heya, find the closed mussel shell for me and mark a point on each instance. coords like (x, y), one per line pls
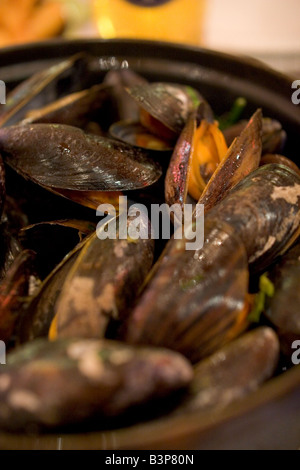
(49, 385)
(196, 300)
(282, 309)
(233, 371)
(103, 283)
(264, 211)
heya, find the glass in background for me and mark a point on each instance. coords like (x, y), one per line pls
(177, 21)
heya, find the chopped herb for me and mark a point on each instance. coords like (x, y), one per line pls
(193, 94)
(232, 116)
(266, 289)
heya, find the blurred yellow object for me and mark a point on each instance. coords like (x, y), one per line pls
(209, 149)
(29, 20)
(168, 20)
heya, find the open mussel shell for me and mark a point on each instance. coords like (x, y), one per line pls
(53, 240)
(64, 159)
(273, 136)
(104, 282)
(282, 309)
(169, 103)
(36, 318)
(195, 300)
(11, 222)
(242, 157)
(124, 107)
(232, 372)
(44, 87)
(76, 109)
(264, 211)
(177, 176)
(51, 385)
(133, 133)
(14, 292)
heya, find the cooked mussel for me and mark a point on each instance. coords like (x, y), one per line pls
(76, 109)
(242, 157)
(132, 132)
(50, 385)
(264, 211)
(195, 300)
(124, 107)
(177, 176)
(44, 87)
(280, 159)
(74, 164)
(103, 283)
(273, 136)
(52, 240)
(202, 165)
(38, 313)
(232, 372)
(282, 309)
(165, 107)
(14, 292)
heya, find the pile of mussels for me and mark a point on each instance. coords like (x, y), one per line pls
(105, 332)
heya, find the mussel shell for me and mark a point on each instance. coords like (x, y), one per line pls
(124, 106)
(14, 291)
(195, 300)
(44, 87)
(76, 109)
(103, 283)
(53, 240)
(283, 308)
(273, 136)
(281, 159)
(264, 211)
(232, 372)
(177, 176)
(133, 133)
(39, 312)
(242, 158)
(169, 103)
(65, 158)
(50, 385)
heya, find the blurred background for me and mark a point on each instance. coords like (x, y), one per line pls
(264, 29)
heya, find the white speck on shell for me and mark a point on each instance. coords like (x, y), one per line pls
(5, 382)
(289, 193)
(24, 399)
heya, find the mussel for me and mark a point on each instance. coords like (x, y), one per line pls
(14, 291)
(282, 309)
(103, 283)
(165, 107)
(44, 87)
(273, 136)
(195, 300)
(51, 385)
(46, 153)
(232, 372)
(241, 159)
(98, 308)
(76, 109)
(202, 165)
(264, 210)
(38, 313)
(132, 132)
